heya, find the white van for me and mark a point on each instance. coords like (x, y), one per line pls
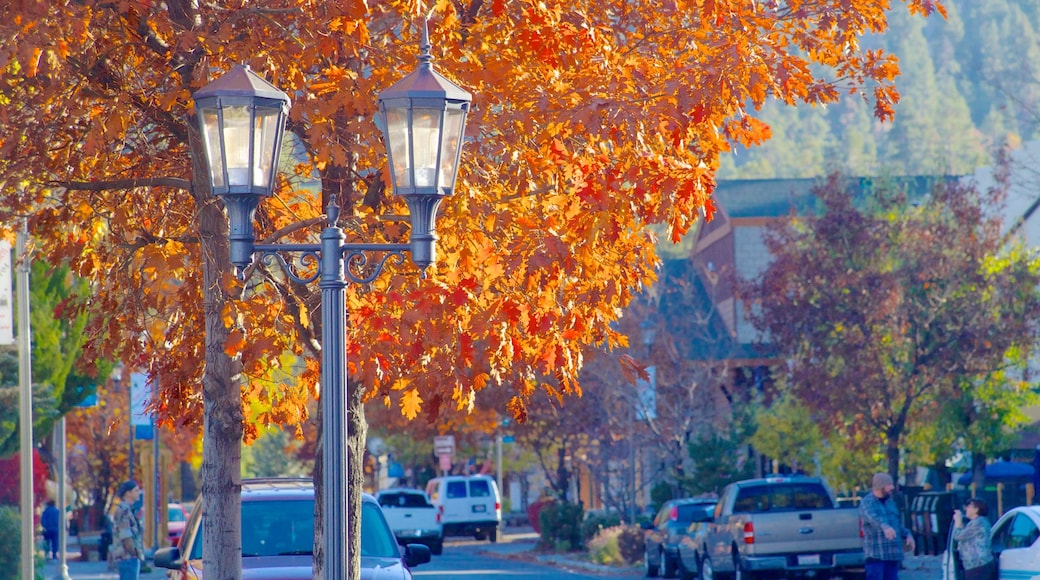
(469, 505)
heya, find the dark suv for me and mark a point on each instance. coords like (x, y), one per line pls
(278, 537)
(661, 543)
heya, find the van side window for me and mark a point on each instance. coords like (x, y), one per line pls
(479, 488)
(456, 489)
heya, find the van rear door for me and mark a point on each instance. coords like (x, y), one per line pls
(455, 503)
(482, 499)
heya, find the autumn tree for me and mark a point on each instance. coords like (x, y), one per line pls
(883, 304)
(55, 346)
(592, 120)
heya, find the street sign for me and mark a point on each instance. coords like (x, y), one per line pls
(444, 445)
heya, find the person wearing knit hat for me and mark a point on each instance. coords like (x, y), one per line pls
(884, 535)
(128, 548)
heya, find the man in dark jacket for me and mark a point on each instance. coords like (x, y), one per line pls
(883, 533)
(50, 519)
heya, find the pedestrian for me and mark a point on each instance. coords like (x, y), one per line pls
(127, 547)
(50, 519)
(883, 532)
(973, 541)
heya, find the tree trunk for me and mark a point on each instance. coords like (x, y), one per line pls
(221, 394)
(978, 469)
(358, 432)
(892, 455)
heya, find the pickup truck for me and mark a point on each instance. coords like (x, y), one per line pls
(781, 525)
(413, 519)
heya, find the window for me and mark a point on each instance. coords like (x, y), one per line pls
(175, 515)
(403, 500)
(785, 497)
(479, 488)
(376, 539)
(456, 489)
(277, 528)
(1023, 532)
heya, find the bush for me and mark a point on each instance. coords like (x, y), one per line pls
(631, 544)
(595, 524)
(561, 526)
(603, 547)
(10, 538)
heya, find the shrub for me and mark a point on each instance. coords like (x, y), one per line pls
(631, 544)
(603, 547)
(561, 526)
(10, 538)
(595, 524)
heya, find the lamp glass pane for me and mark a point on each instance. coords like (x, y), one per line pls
(426, 131)
(265, 158)
(453, 119)
(236, 143)
(211, 140)
(399, 148)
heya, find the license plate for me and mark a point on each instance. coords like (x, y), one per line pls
(809, 560)
(479, 508)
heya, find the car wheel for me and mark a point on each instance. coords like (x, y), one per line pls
(493, 535)
(651, 569)
(437, 547)
(707, 571)
(668, 567)
(684, 572)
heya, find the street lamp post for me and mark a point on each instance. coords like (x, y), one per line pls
(422, 117)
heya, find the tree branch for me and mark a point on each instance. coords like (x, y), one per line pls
(174, 182)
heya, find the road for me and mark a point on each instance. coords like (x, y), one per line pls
(510, 557)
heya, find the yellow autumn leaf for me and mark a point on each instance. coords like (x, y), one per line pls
(411, 404)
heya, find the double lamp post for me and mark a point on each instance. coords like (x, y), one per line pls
(423, 118)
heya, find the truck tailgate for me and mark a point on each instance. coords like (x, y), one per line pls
(790, 532)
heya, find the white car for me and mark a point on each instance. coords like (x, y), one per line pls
(1015, 543)
(1015, 546)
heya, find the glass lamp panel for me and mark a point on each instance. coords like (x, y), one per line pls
(211, 140)
(426, 128)
(399, 148)
(265, 158)
(237, 131)
(450, 147)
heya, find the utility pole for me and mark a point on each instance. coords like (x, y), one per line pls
(25, 402)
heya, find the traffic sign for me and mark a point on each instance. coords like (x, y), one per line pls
(444, 445)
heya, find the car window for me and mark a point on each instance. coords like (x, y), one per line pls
(773, 497)
(693, 512)
(479, 488)
(456, 489)
(431, 489)
(1023, 532)
(662, 514)
(376, 538)
(999, 535)
(403, 500)
(174, 515)
(273, 528)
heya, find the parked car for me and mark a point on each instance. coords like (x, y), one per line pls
(176, 517)
(661, 540)
(412, 518)
(781, 525)
(278, 537)
(469, 505)
(692, 543)
(1015, 546)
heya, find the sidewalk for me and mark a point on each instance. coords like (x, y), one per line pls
(80, 570)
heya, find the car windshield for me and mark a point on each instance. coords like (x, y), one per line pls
(174, 515)
(286, 527)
